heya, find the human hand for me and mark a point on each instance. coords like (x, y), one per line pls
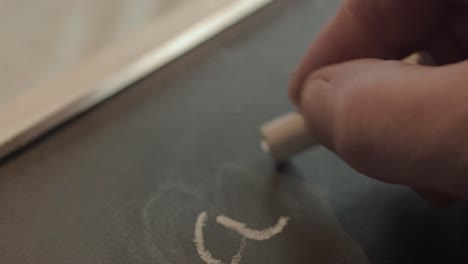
(390, 120)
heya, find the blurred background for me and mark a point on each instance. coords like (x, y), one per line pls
(45, 38)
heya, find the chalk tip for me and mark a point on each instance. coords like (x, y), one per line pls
(265, 147)
(282, 165)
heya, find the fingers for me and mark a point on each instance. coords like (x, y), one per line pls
(393, 121)
(370, 29)
(437, 199)
(450, 44)
(444, 48)
(320, 99)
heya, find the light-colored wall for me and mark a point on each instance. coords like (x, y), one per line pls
(40, 39)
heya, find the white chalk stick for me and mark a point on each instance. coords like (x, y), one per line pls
(286, 136)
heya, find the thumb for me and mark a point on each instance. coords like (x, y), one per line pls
(393, 121)
(328, 91)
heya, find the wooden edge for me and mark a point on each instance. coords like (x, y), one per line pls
(33, 113)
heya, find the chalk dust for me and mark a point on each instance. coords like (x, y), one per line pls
(238, 257)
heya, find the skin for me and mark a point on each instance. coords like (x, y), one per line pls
(396, 122)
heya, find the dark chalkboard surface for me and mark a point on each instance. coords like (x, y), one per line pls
(127, 181)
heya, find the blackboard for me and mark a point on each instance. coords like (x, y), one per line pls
(127, 181)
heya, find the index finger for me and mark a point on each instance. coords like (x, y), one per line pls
(385, 29)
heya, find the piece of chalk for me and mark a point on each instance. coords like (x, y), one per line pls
(287, 135)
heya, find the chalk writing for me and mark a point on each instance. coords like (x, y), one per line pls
(253, 234)
(241, 228)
